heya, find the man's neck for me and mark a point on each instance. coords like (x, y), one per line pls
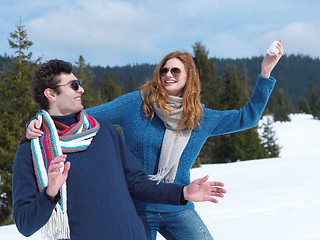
(66, 119)
(54, 112)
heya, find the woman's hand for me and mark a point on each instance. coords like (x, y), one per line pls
(269, 62)
(33, 130)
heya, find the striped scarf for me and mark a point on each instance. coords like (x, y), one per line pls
(53, 143)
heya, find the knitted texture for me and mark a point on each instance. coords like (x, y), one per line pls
(174, 141)
(144, 136)
(101, 183)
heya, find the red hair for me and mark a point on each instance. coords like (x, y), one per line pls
(154, 92)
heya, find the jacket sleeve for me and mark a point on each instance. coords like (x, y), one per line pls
(31, 209)
(114, 111)
(224, 122)
(139, 185)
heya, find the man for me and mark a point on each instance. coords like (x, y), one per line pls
(76, 181)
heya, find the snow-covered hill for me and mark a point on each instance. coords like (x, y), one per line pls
(276, 199)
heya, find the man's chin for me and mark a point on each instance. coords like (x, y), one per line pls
(79, 109)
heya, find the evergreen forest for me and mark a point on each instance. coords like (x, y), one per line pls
(226, 84)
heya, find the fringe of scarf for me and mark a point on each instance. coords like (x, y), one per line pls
(54, 143)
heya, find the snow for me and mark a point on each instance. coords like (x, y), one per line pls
(276, 199)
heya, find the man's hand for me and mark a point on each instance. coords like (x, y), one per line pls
(56, 178)
(33, 130)
(200, 190)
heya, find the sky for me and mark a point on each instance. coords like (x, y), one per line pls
(267, 199)
(117, 33)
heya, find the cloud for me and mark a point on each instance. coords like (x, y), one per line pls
(297, 37)
(118, 32)
(226, 45)
(94, 27)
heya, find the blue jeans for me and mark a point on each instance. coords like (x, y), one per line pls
(183, 225)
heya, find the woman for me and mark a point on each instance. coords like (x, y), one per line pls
(165, 126)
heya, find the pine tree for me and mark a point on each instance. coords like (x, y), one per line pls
(235, 95)
(316, 107)
(212, 91)
(17, 108)
(84, 73)
(220, 149)
(242, 145)
(225, 148)
(303, 106)
(312, 95)
(109, 89)
(132, 86)
(224, 95)
(211, 84)
(272, 149)
(246, 145)
(314, 100)
(281, 108)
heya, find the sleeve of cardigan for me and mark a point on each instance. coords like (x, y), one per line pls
(139, 185)
(31, 209)
(114, 111)
(230, 121)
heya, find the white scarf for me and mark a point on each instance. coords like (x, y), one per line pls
(173, 143)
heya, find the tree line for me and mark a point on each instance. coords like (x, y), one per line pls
(226, 84)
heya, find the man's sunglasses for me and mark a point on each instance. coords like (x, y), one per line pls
(75, 84)
(174, 71)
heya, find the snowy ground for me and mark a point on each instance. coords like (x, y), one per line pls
(276, 199)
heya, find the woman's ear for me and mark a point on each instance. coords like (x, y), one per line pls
(50, 94)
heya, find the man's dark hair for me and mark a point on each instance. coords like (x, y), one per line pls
(46, 76)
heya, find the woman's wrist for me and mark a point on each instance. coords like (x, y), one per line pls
(265, 74)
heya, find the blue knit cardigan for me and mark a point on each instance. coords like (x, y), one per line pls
(144, 136)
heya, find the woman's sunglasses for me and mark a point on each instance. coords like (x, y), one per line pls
(75, 84)
(174, 71)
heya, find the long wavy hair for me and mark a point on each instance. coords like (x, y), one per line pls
(154, 92)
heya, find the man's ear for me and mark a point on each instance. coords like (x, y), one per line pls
(50, 94)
